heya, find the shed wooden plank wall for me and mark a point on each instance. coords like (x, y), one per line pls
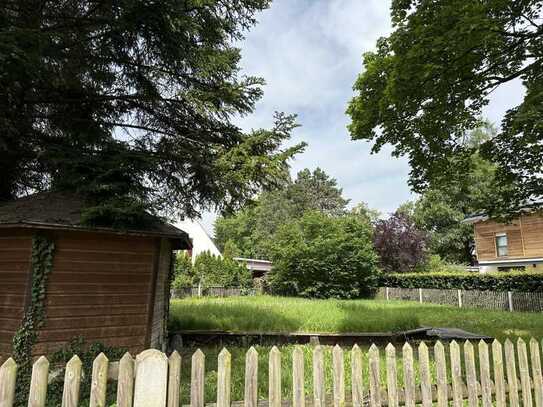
(15, 257)
(524, 237)
(100, 289)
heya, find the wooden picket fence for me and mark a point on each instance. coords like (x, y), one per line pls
(153, 379)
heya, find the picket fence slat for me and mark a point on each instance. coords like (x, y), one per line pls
(471, 376)
(425, 378)
(318, 377)
(99, 381)
(224, 378)
(392, 375)
(274, 377)
(499, 379)
(374, 376)
(456, 373)
(408, 375)
(174, 379)
(151, 379)
(511, 369)
(357, 384)
(484, 372)
(8, 375)
(251, 378)
(72, 382)
(125, 384)
(524, 372)
(154, 380)
(197, 379)
(298, 395)
(535, 357)
(441, 369)
(38, 383)
(338, 376)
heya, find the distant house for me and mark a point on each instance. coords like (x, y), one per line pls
(506, 246)
(106, 285)
(257, 267)
(201, 241)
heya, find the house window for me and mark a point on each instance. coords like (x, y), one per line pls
(512, 268)
(501, 245)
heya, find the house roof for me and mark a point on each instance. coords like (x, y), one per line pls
(528, 206)
(61, 210)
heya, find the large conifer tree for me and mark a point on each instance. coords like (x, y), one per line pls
(131, 103)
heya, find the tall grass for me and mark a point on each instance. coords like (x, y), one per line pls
(281, 314)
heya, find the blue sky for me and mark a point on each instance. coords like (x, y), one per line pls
(310, 53)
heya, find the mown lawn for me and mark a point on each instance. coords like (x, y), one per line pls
(280, 314)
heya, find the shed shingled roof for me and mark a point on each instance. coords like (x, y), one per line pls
(63, 210)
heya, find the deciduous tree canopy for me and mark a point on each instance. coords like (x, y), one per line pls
(322, 256)
(426, 85)
(251, 229)
(132, 103)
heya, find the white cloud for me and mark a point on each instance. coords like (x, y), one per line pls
(310, 53)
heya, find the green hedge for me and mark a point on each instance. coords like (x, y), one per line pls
(511, 281)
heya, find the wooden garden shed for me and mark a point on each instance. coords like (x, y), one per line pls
(102, 284)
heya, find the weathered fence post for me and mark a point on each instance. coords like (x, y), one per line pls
(456, 373)
(484, 369)
(510, 300)
(38, 383)
(459, 292)
(151, 385)
(471, 375)
(425, 377)
(338, 376)
(72, 382)
(420, 295)
(511, 373)
(274, 387)
(174, 379)
(125, 383)
(357, 385)
(536, 372)
(499, 381)
(386, 293)
(99, 381)
(392, 376)
(441, 370)
(524, 372)
(8, 375)
(197, 379)
(224, 378)
(251, 378)
(375, 380)
(319, 392)
(298, 395)
(409, 375)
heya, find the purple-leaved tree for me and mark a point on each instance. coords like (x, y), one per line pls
(400, 244)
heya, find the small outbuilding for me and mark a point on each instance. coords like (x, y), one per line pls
(102, 284)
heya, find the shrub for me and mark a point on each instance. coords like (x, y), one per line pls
(321, 256)
(511, 281)
(435, 264)
(401, 246)
(209, 270)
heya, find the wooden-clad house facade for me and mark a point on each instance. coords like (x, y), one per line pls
(517, 244)
(104, 285)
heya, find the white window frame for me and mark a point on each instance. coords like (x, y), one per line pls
(500, 246)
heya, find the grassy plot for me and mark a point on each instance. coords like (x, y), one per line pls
(280, 314)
